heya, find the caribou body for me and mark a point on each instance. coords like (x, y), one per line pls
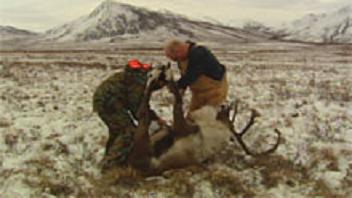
(186, 142)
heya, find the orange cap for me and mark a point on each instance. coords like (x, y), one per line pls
(136, 64)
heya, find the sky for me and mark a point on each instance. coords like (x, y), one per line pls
(41, 15)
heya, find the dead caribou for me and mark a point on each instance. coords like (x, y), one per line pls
(186, 142)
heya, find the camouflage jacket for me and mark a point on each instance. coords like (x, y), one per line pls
(121, 91)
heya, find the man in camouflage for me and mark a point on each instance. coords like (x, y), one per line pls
(116, 101)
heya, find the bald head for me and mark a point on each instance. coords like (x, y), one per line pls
(176, 50)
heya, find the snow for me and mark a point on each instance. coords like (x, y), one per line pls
(10, 33)
(327, 27)
(51, 143)
(107, 12)
(114, 22)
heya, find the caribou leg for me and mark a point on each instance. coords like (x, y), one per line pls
(181, 126)
(141, 152)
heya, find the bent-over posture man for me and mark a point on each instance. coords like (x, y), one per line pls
(201, 71)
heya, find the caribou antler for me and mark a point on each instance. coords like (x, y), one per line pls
(224, 116)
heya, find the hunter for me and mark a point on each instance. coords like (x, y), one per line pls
(116, 101)
(200, 71)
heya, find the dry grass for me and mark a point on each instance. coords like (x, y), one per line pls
(302, 91)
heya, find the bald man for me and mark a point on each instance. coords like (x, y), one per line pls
(200, 71)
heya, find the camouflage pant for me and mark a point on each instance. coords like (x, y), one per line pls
(120, 142)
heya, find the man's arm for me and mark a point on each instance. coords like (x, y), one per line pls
(201, 62)
(194, 68)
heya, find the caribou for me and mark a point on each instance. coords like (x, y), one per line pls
(187, 141)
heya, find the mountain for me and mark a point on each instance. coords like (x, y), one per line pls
(9, 32)
(114, 21)
(334, 27)
(270, 32)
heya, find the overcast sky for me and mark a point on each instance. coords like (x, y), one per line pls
(41, 15)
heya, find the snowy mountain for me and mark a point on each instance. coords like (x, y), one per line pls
(270, 32)
(9, 32)
(113, 21)
(335, 27)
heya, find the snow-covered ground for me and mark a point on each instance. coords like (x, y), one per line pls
(51, 143)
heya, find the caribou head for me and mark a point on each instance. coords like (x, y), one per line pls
(158, 77)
